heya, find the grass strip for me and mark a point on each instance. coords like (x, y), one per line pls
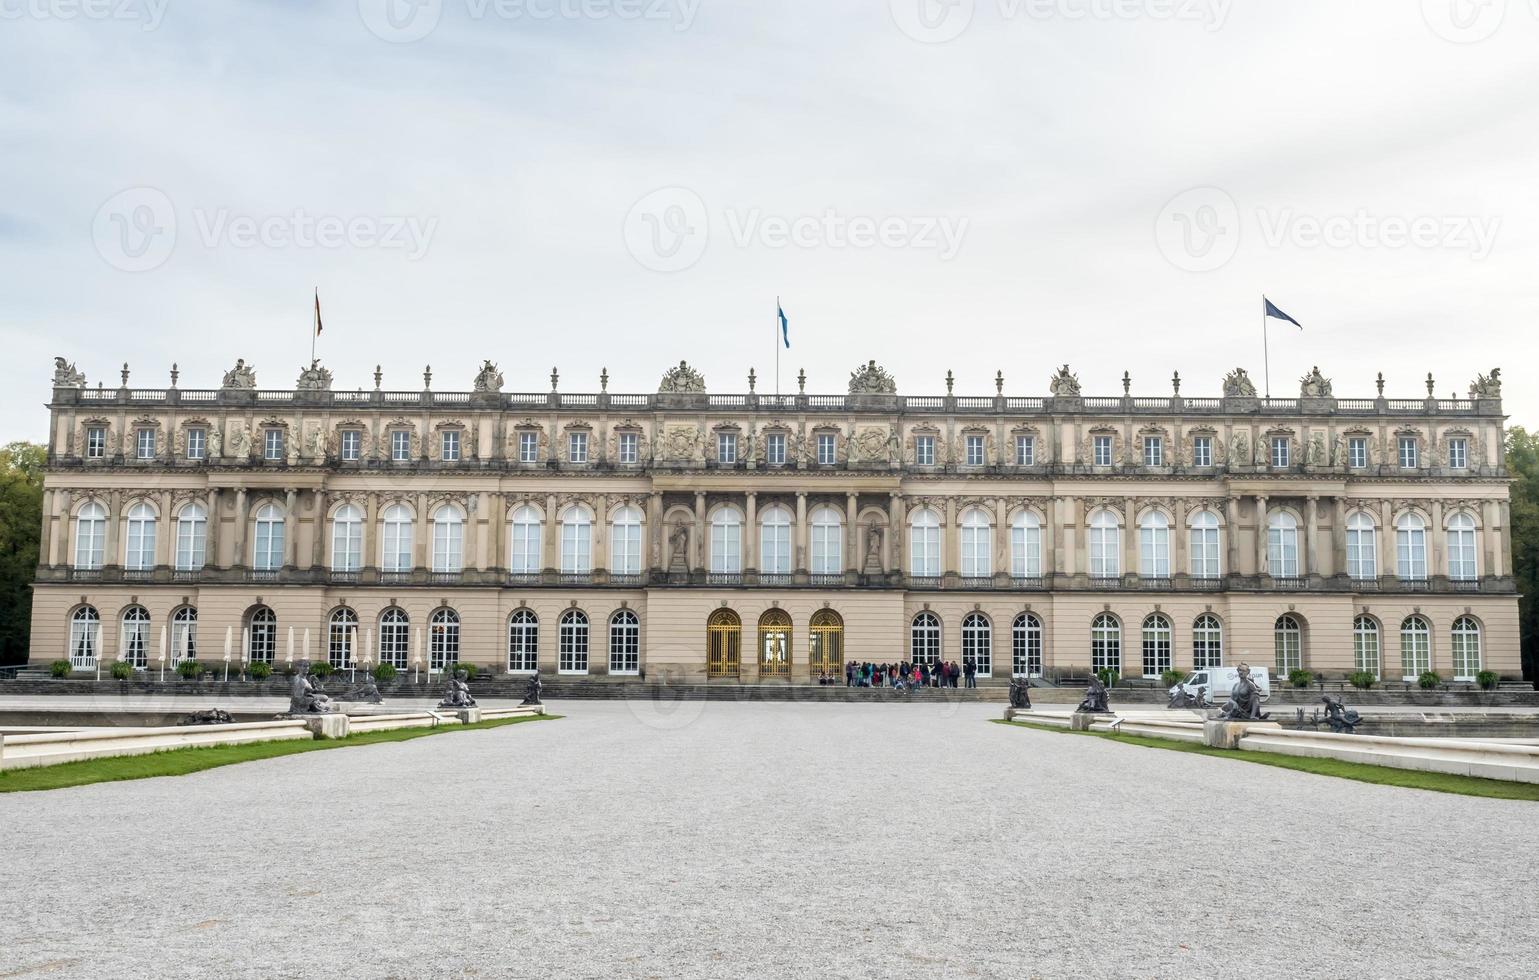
(1436, 782)
(180, 762)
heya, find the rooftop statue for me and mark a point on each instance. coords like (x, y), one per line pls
(457, 694)
(1065, 384)
(1244, 699)
(313, 378)
(65, 375)
(682, 380)
(872, 380)
(1485, 386)
(1237, 384)
(304, 699)
(242, 375)
(488, 379)
(1315, 385)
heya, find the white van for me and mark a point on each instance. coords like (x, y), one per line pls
(1220, 681)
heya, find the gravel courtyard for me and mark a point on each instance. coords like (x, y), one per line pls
(643, 839)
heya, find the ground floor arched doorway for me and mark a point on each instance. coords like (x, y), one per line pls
(825, 644)
(775, 644)
(724, 644)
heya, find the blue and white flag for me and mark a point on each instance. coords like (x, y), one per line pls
(1272, 311)
(785, 326)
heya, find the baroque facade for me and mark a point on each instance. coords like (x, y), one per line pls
(767, 538)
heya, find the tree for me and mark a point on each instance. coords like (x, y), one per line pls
(1523, 465)
(21, 522)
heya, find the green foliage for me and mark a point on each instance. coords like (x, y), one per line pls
(1523, 467)
(189, 668)
(1362, 679)
(60, 668)
(259, 670)
(1429, 680)
(1488, 679)
(1109, 677)
(1171, 678)
(122, 671)
(469, 669)
(322, 669)
(1300, 678)
(385, 672)
(21, 523)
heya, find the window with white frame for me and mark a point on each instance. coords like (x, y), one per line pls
(1025, 450)
(726, 448)
(1357, 452)
(1408, 453)
(272, 444)
(1202, 451)
(1026, 646)
(577, 447)
(139, 543)
(90, 536)
(394, 637)
(443, 639)
(977, 544)
(775, 449)
(524, 553)
(1461, 548)
(1206, 554)
(827, 449)
(1365, 645)
(134, 637)
(340, 632)
(449, 445)
(145, 441)
(191, 537)
(924, 450)
(263, 626)
(978, 643)
(727, 541)
(1105, 545)
(1026, 545)
(576, 541)
(184, 635)
(775, 541)
(396, 539)
(1207, 642)
(625, 541)
(347, 539)
(1154, 546)
(400, 445)
(528, 447)
(975, 451)
(95, 442)
(1282, 452)
(628, 448)
(1362, 547)
(924, 548)
(267, 543)
(572, 645)
(1415, 648)
(924, 639)
(624, 643)
(827, 542)
(523, 642)
(1102, 446)
(1411, 547)
(351, 445)
(1288, 644)
(1105, 643)
(1154, 451)
(85, 637)
(1282, 545)
(448, 539)
(1464, 650)
(1458, 454)
(1156, 645)
(197, 442)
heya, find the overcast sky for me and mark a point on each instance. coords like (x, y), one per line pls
(989, 185)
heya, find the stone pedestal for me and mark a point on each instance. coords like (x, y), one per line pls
(1227, 734)
(1081, 721)
(326, 726)
(469, 716)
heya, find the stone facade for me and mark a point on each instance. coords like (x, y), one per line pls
(607, 532)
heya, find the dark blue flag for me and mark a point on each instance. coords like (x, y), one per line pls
(1277, 314)
(785, 326)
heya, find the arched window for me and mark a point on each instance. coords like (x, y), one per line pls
(1461, 548)
(524, 556)
(924, 544)
(1282, 545)
(572, 646)
(1464, 648)
(1105, 643)
(978, 643)
(827, 542)
(924, 639)
(625, 541)
(727, 541)
(1154, 546)
(191, 538)
(825, 643)
(1365, 645)
(1362, 548)
(443, 639)
(524, 642)
(724, 644)
(448, 539)
(85, 637)
(139, 546)
(1288, 644)
(396, 539)
(1411, 547)
(263, 635)
(347, 539)
(90, 535)
(1415, 647)
(977, 544)
(340, 634)
(1026, 646)
(577, 550)
(184, 635)
(1156, 645)
(134, 648)
(1207, 562)
(1026, 545)
(775, 541)
(1207, 642)
(775, 643)
(624, 643)
(1105, 545)
(394, 637)
(267, 544)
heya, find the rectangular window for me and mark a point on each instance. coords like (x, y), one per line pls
(1458, 454)
(272, 444)
(449, 445)
(1281, 456)
(96, 442)
(145, 439)
(197, 443)
(577, 447)
(826, 454)
(528, 447)
(1154, 451)
(1408, 452)
(1357, 453)
(629, 447)
(400, 445)
(1103, 450)
(775, 449)
(975, 451)
(924, 450)
(1025, 450)
(726, 448)
(352, 444)
(1202, 451)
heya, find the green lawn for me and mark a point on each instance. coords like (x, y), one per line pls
(1437, 782)
(180, 762)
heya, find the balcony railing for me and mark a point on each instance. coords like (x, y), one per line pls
(724, 578)
(262, 574)
(339, 577)
(445, 578)
(85, 574)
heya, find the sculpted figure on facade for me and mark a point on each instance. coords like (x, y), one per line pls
(1237, 384)
(682, 380)
(313, 378)
(1317, 449)
(1484, 386)
(1240, 449)
(240, 440)
(872, 380)
(1065, 384)
(215, 442)
(241, 377)
(65, 375)
(1315, 385)
(488, 379)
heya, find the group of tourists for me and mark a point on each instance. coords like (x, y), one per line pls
(906, 676)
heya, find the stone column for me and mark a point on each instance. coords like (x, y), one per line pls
(1232, 531)
(1312, 522)
(1178, 561)
(371, 544)
(951, 541)
(58, 549)
(242, 527)
(1130, 537)
(110, 554)
(318, 546)
(550, 546)
(45, 543)
(751, 532)
(895, 531)
(1436, 542)
(1050, 563)
(1339, 536)
(601, 533)
(1003, 559)
(801, 531)
(1387, 565)
(1262, 567)
(699, 552)
(290, 527)
(1501, 543)
(211, 532)
(852, 533)
(422, 536)
(655, 531)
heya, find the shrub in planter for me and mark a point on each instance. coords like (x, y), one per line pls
(122, 671)
(259, 670)
(322, 669)
(1109, 677)
(60, 668)
(1487, 679)
(189, 669)
(469, 669)
(1362, 679)
(1300, 678)
(1429, 680)
(385, 672)
(1171, 678)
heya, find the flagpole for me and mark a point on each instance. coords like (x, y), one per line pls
(1266, 353)
(777, 350)
(313, 332)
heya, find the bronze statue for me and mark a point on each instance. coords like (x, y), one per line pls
(1182, 698)
(1244, 700)
(304, 699)
(1097, 700)
(368, 691)
(457, 695)
(1343, 720)
(532, 692)
(1020, 693)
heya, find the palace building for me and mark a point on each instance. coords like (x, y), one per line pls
(756, 538)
